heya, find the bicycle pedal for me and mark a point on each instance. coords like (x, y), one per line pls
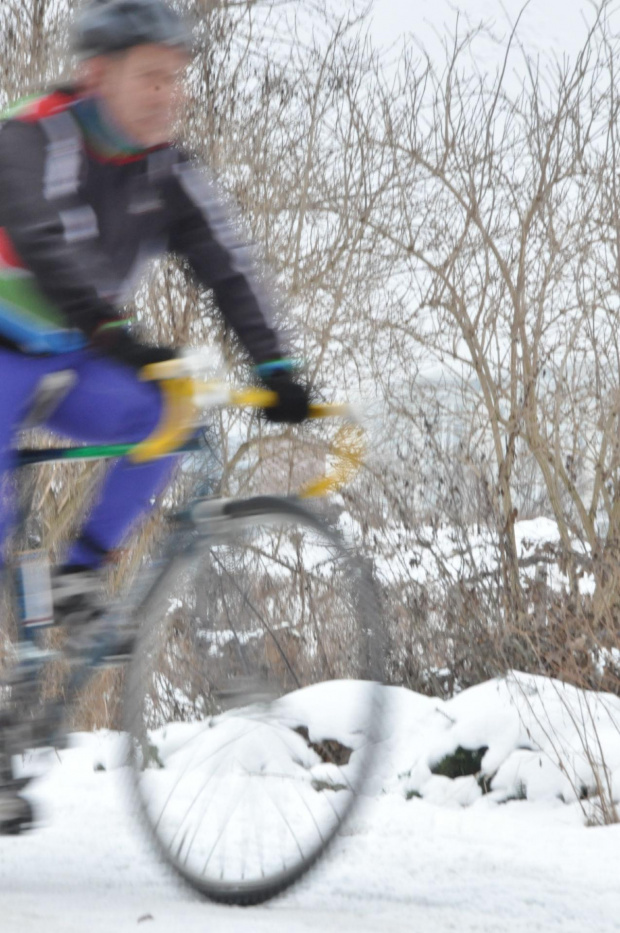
(103, 645)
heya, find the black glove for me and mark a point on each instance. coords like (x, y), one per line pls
(118, 343)
(294, 397)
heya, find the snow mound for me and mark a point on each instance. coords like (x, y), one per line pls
(517, 737)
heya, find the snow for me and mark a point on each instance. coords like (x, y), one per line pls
(460, 552)
(543, 739)
(428, 554)
(453, 860)
(402, 866)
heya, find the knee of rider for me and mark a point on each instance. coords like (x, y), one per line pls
(145, 414)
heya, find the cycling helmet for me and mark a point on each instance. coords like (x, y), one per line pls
(106, 26)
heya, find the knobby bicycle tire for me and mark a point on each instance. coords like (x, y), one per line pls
(252, 643)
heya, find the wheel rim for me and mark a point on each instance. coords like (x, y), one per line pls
(247, 754)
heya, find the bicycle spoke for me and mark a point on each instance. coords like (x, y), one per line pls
(246, 801)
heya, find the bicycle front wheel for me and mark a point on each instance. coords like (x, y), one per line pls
(251, 700)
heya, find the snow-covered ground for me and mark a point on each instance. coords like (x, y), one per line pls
(427, 864)
(450, 860)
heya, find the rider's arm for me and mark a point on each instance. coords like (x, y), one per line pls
(65, 271)
(202, 232)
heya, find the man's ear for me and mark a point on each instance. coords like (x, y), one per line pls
(89, 74)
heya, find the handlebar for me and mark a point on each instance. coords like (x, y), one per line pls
(186, 396)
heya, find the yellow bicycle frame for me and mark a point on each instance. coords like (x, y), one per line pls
(178, 422)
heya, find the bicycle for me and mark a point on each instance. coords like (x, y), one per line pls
(251, 624)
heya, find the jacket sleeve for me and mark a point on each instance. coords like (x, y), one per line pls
(203, 233)
(66, 268)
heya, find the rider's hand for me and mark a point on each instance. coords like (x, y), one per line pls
(294, 397)
(118, 343)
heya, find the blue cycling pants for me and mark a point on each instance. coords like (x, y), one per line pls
(107, 404)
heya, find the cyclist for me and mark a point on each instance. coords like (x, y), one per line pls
(90, 189)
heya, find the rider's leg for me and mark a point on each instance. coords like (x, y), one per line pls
(127, 494)
(110, 404)
(21, 376)
(107, 404)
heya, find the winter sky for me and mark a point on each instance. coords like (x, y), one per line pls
(558, 26)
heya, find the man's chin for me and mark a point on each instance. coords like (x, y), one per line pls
(153, 137)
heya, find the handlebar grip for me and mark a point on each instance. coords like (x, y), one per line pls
(265, 398)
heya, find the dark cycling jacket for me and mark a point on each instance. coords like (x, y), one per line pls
(76, 230)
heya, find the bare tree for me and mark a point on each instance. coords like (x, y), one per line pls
(503, 402)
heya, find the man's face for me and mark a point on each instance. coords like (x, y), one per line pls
(141, 89)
